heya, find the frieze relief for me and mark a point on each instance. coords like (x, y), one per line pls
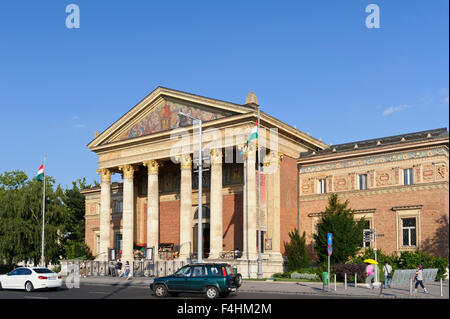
(374, 160)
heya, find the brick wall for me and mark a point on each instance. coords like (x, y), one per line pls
(435, 208)
(288, 199)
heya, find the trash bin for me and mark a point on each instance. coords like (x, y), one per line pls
(325, 278)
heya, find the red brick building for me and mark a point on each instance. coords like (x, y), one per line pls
(399, 183)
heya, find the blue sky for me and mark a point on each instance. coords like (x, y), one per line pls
(313, 64)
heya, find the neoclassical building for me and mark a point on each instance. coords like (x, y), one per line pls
(400, 183)
(154, 148)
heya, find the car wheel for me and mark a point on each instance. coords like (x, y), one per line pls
(238, 280)
(212, 292)
(1, 288)
(29, 286)
(160, 291)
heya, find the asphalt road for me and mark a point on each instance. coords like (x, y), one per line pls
(92, 291)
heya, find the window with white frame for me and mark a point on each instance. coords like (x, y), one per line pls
(408, 176)
(409, 232)
(362, 181)
(321, 186)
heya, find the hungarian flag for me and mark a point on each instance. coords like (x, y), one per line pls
(40, 173)
(253, 136)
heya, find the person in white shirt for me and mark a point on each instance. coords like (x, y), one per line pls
(387, 270)
(418, 278)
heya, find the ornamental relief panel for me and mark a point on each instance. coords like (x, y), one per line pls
(307, 186)
(342, 183)
(428, 173)
(441, 172)
(385, 178)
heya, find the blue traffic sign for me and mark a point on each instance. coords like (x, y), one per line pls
(330, 238)
(330, 250)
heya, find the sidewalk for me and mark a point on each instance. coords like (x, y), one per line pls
(304, 288)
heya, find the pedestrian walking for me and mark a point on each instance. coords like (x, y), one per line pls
(119, 268)
(418, 278)
(369, 275)
(127, 270)
(387, 270)
(83, 269)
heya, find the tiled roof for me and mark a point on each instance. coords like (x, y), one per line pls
(379, 142)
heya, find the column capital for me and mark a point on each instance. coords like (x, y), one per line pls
(216, 156)
(185, 161)
(153, 166)
(105, 174)
(127, 170)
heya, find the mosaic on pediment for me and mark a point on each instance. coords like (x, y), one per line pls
(165, 117)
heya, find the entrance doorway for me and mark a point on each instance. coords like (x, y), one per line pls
(205, 233)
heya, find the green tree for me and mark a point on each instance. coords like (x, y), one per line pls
(21, 218)
(347, 232)
(297, 256)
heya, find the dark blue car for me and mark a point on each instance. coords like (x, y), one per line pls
(213, 280)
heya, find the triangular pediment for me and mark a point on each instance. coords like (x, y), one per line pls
(158, 112)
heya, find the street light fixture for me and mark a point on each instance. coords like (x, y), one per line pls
(200, 205)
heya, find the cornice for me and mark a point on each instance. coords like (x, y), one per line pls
(374, 159)
(379, 190)
(372, 151)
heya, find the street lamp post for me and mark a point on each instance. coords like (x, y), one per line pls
(200, 206)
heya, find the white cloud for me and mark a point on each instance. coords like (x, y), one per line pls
(396, 108)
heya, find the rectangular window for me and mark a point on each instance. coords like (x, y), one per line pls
(118, 243)
(120, 207)
(362, 181)
(409, 233)
(322, 186)
(408, 176)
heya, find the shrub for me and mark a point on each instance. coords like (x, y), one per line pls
(350, 269)
(296, 254)
(75, 249)
(410, 260)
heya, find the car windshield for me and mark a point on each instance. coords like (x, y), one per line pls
(43, 271)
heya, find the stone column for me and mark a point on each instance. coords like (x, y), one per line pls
(250, 205)
(153, 207)
(105, 213)
(186, 207)
(128, 214)
(216, 219)
(275, 254)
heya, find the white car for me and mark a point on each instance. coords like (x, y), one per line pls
(30, 278)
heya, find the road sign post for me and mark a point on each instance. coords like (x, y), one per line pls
(330, 251)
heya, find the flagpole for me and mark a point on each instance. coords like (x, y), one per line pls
(260, 273)
(43, 219)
